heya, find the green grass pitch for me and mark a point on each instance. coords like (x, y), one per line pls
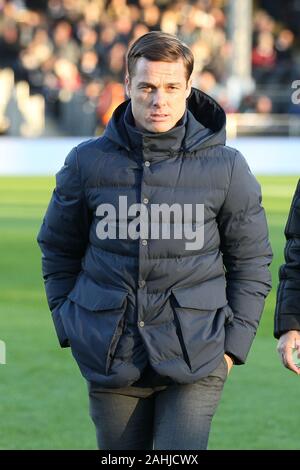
(44, 403)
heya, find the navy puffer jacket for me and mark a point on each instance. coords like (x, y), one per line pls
(120, 302)
(287, 313)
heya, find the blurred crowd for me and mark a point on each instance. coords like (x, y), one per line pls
(275, 60)
(72, 52)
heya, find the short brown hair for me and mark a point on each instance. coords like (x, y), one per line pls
(159, 46)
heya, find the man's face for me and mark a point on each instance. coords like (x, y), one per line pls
(158, 92)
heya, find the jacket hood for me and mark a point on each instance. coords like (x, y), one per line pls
(204, 122)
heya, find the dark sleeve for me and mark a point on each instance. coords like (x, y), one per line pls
(63, 238)
(247, 254)
(287, 312)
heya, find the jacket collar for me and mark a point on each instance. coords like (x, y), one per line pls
(153, 143)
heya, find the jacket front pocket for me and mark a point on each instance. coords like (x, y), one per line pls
(93, 318)
(200, 324)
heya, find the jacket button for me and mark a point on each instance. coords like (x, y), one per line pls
(145, 200)
(141, 324)
(147, 163)
(144, 242)
(142, 283)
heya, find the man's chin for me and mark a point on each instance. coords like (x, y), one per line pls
(159, 127)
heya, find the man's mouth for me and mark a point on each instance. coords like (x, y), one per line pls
(159, 116)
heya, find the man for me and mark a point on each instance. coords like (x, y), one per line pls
(287, 313)
(156, 321)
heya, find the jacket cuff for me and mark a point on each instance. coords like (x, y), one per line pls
(286, 323)
(238, 340)
(60, 330)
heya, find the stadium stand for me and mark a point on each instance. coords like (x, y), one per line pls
(65, 58)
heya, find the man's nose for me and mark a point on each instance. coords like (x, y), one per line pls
(159, 98)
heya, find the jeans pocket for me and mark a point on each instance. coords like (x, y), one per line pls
(221, 371)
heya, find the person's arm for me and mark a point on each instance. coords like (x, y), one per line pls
(287, 312)
(247, 254)
(63, 238)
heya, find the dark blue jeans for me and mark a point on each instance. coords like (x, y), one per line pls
(176, 417)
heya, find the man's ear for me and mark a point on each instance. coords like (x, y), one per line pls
(189, 87)
(127, 85)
